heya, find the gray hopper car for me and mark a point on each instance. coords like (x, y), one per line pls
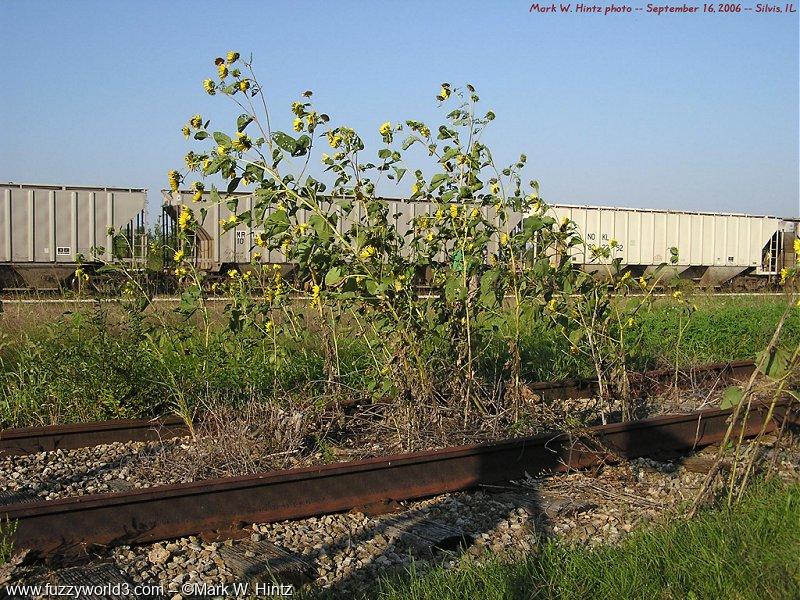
(713, 248)
(45, 228)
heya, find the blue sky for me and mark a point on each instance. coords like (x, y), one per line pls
(695, 112)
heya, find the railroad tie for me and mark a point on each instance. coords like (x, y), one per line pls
(104, 577)
(264, 562)
(702, 463)
(421, 530)
(8, 497)
(120, 485)
(542, 506)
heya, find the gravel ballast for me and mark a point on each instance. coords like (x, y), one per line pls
(346, 552)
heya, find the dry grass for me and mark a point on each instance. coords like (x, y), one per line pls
(256, 436)
(240, 440)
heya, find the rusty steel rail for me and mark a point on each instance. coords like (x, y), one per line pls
(76, 525)
(15, 442)
(565, 388)
(28, 440)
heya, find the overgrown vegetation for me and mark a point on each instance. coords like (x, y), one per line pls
(95, 364)
(747, 552)
(506, 300)
(480, 235)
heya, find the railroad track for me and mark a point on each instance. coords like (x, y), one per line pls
(350, 551)
(224, 507)
(29, 440)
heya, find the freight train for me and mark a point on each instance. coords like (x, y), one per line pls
(47, 231)
(714, 249)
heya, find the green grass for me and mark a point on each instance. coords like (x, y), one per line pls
(734, 328)
(7, 531)
(90, 366)
(721, 329)
(750, 552)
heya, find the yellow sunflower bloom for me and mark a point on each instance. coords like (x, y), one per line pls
(174, 180)
(242, 142)
(315, 295)
(185, 218)
(334, 139)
